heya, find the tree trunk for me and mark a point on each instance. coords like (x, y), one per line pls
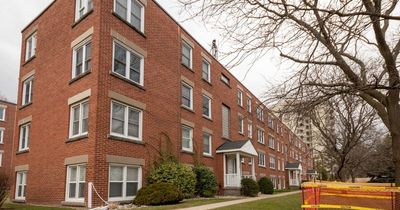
(396, 155)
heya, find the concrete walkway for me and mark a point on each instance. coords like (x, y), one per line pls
(239, 201)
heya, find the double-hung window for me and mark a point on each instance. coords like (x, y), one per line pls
(24, 135)
(248, 104)
(128, 63)
(278, 146)
(240, 98)
(250, 129)
(82, 7)
(79, 116)
(126, 121)
(30, 46)
(27, 90)
(207, 144)
(225, 79)
(132, 11)
(2, 113)
(240, 124)
(260, 135)
(124, 182)
(271, 162)
(261, 159)
(2, 135)
(271, 142)
(187, 138)
(279, 164)
(226, 113)
(206, 106)
(187, 96)
(260, 113)
(187, 54)
(82, 59)
(20, 186)
(270, 122)
(76, 176)
(206, 70)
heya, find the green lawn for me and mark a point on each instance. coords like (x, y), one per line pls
(291, 202)
(189, 203)
(30, 207)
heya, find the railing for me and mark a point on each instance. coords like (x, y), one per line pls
(232, 180)
(249, 176)
(294, 182)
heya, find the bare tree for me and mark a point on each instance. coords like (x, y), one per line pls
(335, 47)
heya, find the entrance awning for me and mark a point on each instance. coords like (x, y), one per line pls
(244, 146)
(293, 166)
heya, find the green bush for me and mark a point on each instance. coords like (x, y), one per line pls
(206, 184)
(249, 187)
(158, 194)
(177, 174)
(266, 186)
(4, 187)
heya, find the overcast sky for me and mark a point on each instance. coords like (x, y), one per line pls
(16, 14)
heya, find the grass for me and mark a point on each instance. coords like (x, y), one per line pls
(285, 190)
(290, 202)
(189, 203)
(30, 207)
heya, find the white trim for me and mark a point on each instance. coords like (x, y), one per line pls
(209, 116)
(208, 79)
(25, 84)
(185, 43)
(3, 109)
(241, 123)
(85, 8)
(190, 148)
(259, 156)
(250, 129)
(22, 183)
(77, 182)
(2, 135)
(26, 137)
(124, 181)
(191, 95)
(128, 13)
(80, 119)
(82, 45)
(239, 96)
(126, 124)
(30, 43)
(209, 144)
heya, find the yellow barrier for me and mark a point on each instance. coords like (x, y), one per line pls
(325, 206)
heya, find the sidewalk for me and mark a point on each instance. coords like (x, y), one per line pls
(245, 200)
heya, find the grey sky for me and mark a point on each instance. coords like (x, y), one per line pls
(16, 14)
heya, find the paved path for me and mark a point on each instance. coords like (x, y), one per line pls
(239, 201)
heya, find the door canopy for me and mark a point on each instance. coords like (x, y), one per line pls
(244, 147)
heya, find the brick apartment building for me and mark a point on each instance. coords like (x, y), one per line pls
(106, 85)
(7, 119)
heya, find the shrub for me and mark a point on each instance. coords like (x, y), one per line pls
(158, 194)
(266, 186)
(177, 174)
(249, 187)
(206, 184)
(4, 187)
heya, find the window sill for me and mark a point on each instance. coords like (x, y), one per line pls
(208, 156)
(241, 133)
(130, 25)
(22, 152)
(206, 81)
(118, 138)
(261, 143)
(186, 151)
(188, 109)
(272, 148)
(187, 67)
(72, 203)
(126, 80)
(77, 138)
(18, 200)
(79, 77)
(82, 18)
(207, 118)
(25, 105)
(29, 60)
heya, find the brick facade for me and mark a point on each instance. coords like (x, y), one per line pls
(7, 129)
(159, 98)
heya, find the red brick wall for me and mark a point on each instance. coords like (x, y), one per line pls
(8, 126)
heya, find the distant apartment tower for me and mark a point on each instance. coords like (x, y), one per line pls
(7, 119)
(100, 97)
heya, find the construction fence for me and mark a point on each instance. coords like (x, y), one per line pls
(339, 195)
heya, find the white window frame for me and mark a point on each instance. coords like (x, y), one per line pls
(191, 95)
(126, 124)
(2, 131)
(248, 104)
(80, 120)
(22, 184)
(240, 98)
(190, 148)
(240, 124)
(129, 51)
(209, 106)
(279, 164)
(225, 80)
(25, 84)
(124, 181)
(82, 45)
(259, 113)
(271, 140)
(128, 13)
(270, 122)
(185, 44)
(250, 129)
(85, 8)
(25, 147)
(283, 165)
(3, 109)
(208, 79)
(1, 158)
(209, 144)
(278, 146)
(261, 162)
(77, 182)
(272, 162)
(32, 39)
(260, 136)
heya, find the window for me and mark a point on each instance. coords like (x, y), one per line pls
(207, 147)
(187, 96)
(271, 142)
(30, 47)
(82, 7)
(186, 55)
(2, 113)
(273, 180)
(251, 161)
(124, 182)
(76, 176)
(270, 122)
(79, 116)
(128, 64)
(225, 79)
(239, 98)
(20, 185)
(187, 138)
(2, 135)
(278, 146)
(260, 113)
(82, 59)
(24, 137)
(131, 11)
(206, 106)
(250, 129)
(272, 162)
(126, 121)
(240, 124)
(260, 135)
(225, 121)
(27, 91)
(206, 71)
(248, 104)
(261, 159)
(279, 164)
(283, 165)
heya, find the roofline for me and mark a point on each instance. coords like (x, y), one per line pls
(8, 102)
(38, 16)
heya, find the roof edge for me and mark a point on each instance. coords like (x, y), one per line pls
(38, 16)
